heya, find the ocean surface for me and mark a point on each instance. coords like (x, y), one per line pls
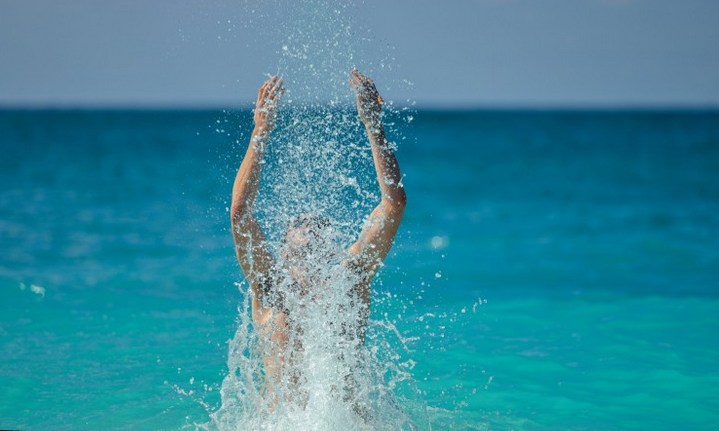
(555, 270)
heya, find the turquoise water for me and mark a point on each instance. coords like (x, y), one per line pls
(554, 271)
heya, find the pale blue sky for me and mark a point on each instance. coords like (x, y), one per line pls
(483, 53)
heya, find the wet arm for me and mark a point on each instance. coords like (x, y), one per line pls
(381, 227)
(250, 245)
(249, 240)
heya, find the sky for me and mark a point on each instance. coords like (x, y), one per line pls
(437, 53)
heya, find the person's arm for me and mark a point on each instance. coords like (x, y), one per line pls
(250, 246)
(381, 227)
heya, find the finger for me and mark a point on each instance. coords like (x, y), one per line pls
(358, 84)
(361, 79)
(357, 73)
(276, 89)
(353, 85)
(357, 76)
(276, 80)
(269, 83)
(278, 84)
(367, 84)
(263, 90)
(271, 90)
(275, 97)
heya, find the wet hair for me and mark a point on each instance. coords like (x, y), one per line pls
(314, 226)
(313, 222)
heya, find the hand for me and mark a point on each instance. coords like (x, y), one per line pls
(369, 102)
(266, 107)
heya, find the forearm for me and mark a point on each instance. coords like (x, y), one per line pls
(386, 165)
(247, 181)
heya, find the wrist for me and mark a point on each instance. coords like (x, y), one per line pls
(260, 134)
(374, 128)
(379, 141)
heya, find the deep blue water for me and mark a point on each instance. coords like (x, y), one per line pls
(592, 236)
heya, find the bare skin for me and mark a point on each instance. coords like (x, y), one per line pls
(368, 252)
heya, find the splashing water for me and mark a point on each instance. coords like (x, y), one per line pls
(322, 374)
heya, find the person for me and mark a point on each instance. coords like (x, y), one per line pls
(305, 236)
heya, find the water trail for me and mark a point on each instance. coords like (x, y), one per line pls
(318, 166)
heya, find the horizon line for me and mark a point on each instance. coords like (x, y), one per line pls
(429, 107)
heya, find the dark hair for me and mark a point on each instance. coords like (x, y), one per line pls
(313, 224)
(311, 221)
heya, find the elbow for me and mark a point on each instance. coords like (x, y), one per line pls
(401, 198)
(397, 200)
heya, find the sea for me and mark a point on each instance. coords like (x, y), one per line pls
(555, 269)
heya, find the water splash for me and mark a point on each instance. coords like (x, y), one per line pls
(326, 371)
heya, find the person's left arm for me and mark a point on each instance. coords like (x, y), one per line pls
(381, 227)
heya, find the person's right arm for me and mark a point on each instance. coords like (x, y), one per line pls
(250, 246)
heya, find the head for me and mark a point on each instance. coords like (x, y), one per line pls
(308, 244)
